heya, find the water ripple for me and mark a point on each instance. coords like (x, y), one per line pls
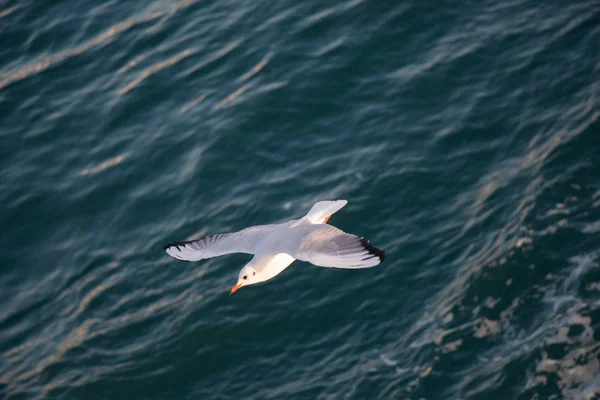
(464, 138)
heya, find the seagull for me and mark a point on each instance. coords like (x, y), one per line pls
(276, 246)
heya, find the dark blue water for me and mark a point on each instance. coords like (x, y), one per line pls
(465, 136)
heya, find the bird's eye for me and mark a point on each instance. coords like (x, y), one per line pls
(245, 277)
(253, 273)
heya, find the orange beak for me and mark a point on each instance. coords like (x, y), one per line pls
(234, 288)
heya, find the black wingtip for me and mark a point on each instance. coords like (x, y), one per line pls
(373, 250)
(168, 246)
(176, 244)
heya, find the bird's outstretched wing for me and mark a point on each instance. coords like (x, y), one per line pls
(243, 241)
(327, 246)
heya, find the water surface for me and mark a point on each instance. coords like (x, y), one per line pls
(463, 134)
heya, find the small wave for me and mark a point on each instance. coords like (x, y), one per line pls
(229, 100)
(154, 69)
(105, 165)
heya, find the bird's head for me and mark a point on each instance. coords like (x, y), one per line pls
(248, 276)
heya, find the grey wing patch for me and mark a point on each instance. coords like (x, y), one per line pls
(194, 250)
(243, 241)
(335, 249)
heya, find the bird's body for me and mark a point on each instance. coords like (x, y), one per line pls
(276, 246)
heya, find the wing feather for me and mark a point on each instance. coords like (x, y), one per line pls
(327, 246)
(220, 244)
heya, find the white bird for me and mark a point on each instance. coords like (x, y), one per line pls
(275, 247)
